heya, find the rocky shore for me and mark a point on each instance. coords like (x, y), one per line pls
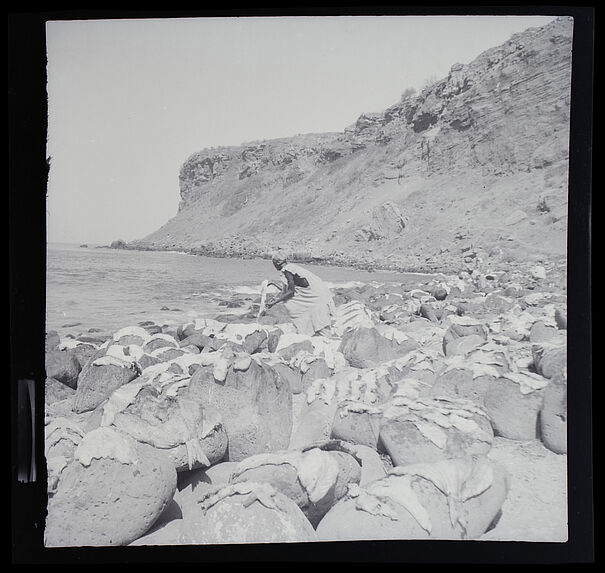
(476, 163)
(437, 411)
(514, 257)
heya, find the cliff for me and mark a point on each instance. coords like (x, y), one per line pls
(475, 165)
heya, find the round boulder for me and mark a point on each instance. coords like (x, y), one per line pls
(463, 328)
(550, 358)
(247, 512)
(54, 391)
(192, 484)
(292, 375)
(433, 429)
(99, 378)
(314, 479)
(367, 348)
(357, 423)
(553, 416)
(460, 383)
(64, 366)
(253, 401)
(450, 499)
(513, 405)
(111, 494)
(317, 369)
(167, 419)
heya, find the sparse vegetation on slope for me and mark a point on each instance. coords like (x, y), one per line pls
(474, 164)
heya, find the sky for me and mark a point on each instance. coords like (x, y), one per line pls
(131, 100)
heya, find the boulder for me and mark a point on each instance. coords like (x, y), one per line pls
(96, 337)
(366, 348)
(314, 423)
(111, 494)
(247, 336)
(352, 315)
(218, 474)
(292, 376)
(148, 360)
(395, 314)
(513, 291)
(322, 399)
(513, 402)
(314, 479)
(99, 378)
(553, 416)
(317, 369)
(166, 418)
(192, 484)
(167, 530)
(433, 429)
(496, 303)
(131, 335)
(463, 328)
(160, 340)
(463, 345)
(273, 338)
(199, 340)
(64, 366)
(448, 499)
(541, 332)
(460, 383)
(247, 512)
(207, 327)
(538, 272)
(277, 314)
(60, 408)
(190, 349)
(372, 465)
(439, 293)
(561, 319)
(62, 436)
(153, 328)
(254, 403)
(357, 423)
(427, 311)
(83, 351)
(255, 341)
(424, 332)
(55, 391)
(289, 352)
(550, 358)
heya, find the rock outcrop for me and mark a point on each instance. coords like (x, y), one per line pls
(477, 158)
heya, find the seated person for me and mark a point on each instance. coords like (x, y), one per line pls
(306, 297)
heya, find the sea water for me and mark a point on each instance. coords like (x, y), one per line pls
(107, 289)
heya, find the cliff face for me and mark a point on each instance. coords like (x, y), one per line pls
(475, 163)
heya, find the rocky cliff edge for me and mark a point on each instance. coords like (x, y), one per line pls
(474, 166)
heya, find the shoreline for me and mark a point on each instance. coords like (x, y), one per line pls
(436, 269)
(346, 264)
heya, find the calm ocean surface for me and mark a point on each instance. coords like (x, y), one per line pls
(108, 289)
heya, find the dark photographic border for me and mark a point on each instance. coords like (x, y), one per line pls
(28, 172)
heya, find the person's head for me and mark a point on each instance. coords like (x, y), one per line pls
(279, 260)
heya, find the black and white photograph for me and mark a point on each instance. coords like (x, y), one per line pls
(306, 281)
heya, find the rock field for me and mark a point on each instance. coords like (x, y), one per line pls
(436, 410)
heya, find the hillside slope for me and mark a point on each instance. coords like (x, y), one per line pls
(474, 165)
